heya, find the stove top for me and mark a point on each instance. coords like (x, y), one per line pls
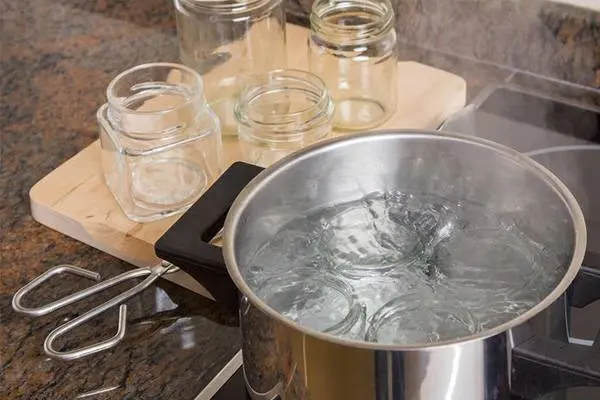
(564, 138)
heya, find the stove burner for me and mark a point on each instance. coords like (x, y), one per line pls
(562, 137)
(566, 140)
(578, 167)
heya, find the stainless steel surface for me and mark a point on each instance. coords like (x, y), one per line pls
(151, 273)
(312, 364)
(280, 359)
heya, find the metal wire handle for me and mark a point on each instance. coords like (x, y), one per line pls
(47, 309)
(153, 274)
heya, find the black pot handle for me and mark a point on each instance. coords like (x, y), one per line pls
(585, 289)
(186, 243)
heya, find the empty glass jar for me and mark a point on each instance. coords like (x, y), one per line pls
(161, 142)
(280, 112)
(352, 47)
(225, 41)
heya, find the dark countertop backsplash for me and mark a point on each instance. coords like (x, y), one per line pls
(555, 40)
(57, 57)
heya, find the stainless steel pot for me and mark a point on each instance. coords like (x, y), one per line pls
(282, 358)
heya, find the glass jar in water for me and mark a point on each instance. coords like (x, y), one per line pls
(161, 142)
(352, 47)
(280, 112)
(225, 41)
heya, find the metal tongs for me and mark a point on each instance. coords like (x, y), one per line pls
(152, 273)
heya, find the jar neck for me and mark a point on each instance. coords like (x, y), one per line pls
(226, 7)
(283, 106)
(147, 109)
(351, 21)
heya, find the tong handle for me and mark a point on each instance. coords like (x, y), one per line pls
(153, 274)
(55, 305)
(87, 350)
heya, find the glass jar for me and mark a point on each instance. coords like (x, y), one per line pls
(287, 291)
(161, 142)
(280, 112)
(226, 41)
(352, 47)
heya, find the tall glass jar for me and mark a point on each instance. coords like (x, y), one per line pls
(280, 112)
(225, 41)
(160, 141)
(352, 47)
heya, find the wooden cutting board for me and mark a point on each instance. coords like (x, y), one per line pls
(74, 200)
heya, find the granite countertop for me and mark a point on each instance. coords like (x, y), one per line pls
(57, 57)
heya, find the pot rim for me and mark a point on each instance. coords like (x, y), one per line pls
(262, 179)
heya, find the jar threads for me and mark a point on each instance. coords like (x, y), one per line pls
(282, 111)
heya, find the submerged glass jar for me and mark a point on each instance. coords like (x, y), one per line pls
(227, 40)
(280, 112)
(352, 47)
(161, 142)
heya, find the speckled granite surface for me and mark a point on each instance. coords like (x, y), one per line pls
(56, 58)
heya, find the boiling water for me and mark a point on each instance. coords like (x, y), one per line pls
(402, 268)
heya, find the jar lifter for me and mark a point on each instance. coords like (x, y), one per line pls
(151, 273)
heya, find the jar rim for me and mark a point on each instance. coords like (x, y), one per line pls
(195, 93)
(290, 125)
(225, 7)
(381, 9)
(141, 114)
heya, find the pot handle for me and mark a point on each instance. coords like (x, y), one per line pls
(186, 243)
(543, 365)
(584, 289)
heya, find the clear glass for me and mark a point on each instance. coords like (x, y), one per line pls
(280, 112)
(319, 300)
(352, 47)
(227, 40)
(161, 142)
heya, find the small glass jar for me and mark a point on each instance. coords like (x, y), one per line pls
(287, 292)
(227, 40)
(352, 47)
(161, 142)
(280, 112)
